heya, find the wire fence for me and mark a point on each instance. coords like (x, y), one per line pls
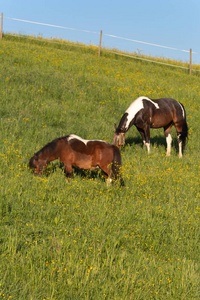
(190, 52)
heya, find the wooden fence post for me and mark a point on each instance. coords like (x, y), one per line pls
(100, 42)
(190, 72)
(1, 35)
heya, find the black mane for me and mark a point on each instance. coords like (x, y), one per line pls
(122, 123)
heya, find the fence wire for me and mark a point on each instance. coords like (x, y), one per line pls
(117, 37)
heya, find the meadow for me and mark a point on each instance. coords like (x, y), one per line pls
(82, 240)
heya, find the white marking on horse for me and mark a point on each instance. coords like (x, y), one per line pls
(182, 110)
(135, 107)
(74, 136)
(180, 146)
(180, 149)
(169, 142)
(148, 147)
(108, 181)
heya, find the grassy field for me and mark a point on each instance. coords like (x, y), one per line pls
(82, 240)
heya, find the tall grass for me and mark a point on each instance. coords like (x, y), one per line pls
(82, 240)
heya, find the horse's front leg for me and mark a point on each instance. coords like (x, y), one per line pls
(145, 134)
(147, 137)
(68, 171)
(141, 131)
(168, 139)
(169, 143)
(69, 175)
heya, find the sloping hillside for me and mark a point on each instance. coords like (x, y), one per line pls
(82, 240)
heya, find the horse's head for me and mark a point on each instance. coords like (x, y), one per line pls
(36, 164)
(119, 137)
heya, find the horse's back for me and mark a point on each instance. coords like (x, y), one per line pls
(89, 153)
(170, 105)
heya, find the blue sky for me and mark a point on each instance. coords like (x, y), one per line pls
(171, 23)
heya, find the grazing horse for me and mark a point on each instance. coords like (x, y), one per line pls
(74, 151)
(147, 113)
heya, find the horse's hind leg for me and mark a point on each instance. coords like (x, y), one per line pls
(108, 174)
(180, 140)
(180, 144)
(168, 138)
(180, 147)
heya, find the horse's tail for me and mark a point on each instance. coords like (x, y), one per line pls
(116, 165)
(184, 134)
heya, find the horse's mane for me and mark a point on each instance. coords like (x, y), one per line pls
(121, 127)
(51, 146)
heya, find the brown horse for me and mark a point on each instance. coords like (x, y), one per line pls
(147, 113)
(74, 151)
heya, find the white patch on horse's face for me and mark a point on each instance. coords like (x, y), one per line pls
(135, 107)
(74, 136)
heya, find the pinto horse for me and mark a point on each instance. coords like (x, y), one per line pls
(74, 151)
(147, 113)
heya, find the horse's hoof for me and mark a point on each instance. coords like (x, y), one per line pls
(108, 182)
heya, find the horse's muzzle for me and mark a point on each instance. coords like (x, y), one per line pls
(119, 139)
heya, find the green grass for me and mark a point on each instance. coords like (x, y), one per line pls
(82, 240)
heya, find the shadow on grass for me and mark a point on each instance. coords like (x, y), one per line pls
(156, 141)
(89, 174)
